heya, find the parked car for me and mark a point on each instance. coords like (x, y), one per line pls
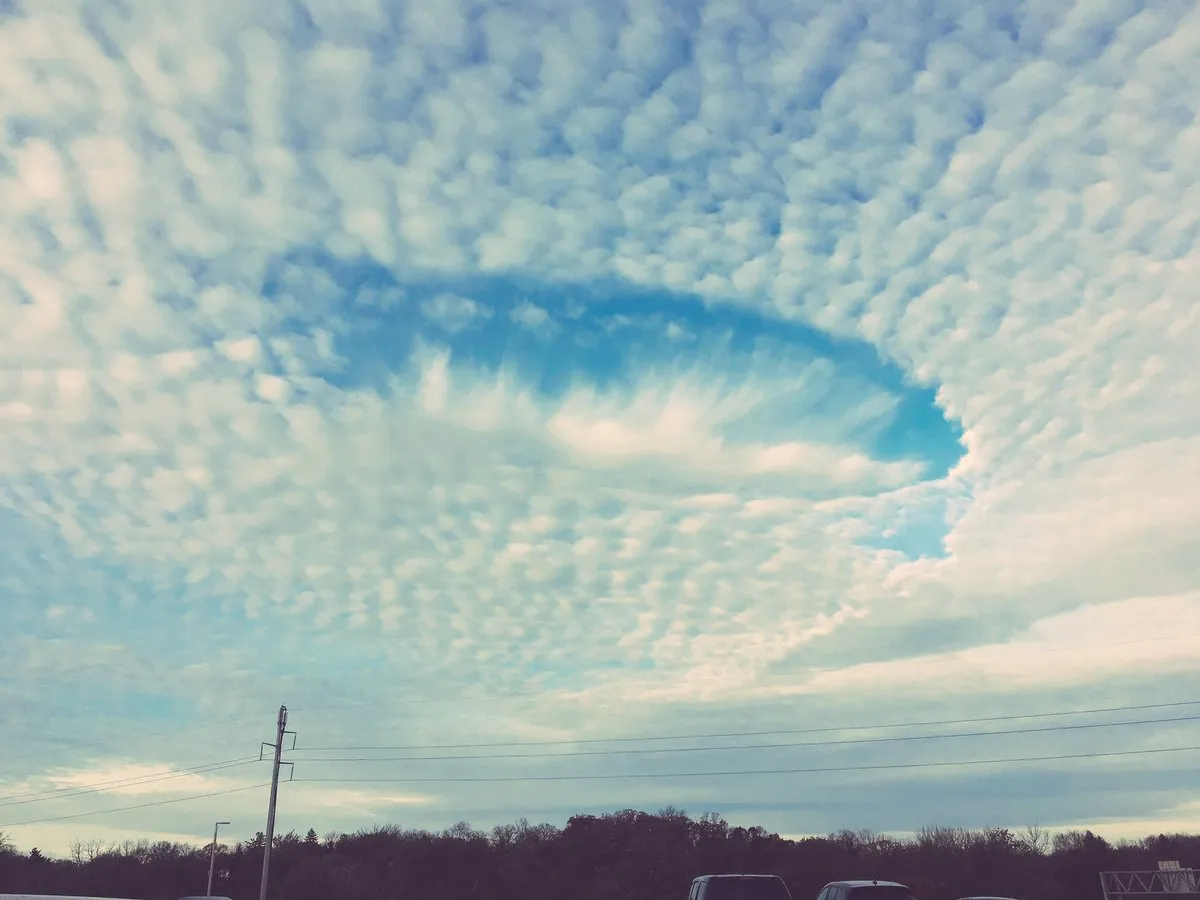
(865, 890)
(739, 887)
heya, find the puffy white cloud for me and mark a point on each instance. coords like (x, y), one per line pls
(454, 313)
(533, 318)
(194, 460)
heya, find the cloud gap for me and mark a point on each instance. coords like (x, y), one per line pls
(555, 339)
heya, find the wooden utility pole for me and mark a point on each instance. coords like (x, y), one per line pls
(280, 731)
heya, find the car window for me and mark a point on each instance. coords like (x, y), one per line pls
(746, 889)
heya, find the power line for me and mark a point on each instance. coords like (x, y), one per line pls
(746, 772)
(948, 656)
(772, 746)
(130, 781)
(101, 812)
(426, 697)
(762, 733)
(127, 732)
(154, 777)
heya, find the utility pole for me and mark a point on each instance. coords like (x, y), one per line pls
(212, 859)
(280, 731)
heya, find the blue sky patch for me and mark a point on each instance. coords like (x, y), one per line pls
(609, 336)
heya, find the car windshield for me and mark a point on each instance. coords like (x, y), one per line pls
(880, 892)
(746, 889)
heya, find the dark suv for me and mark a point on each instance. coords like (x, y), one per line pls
(739, 887)
(865, 890)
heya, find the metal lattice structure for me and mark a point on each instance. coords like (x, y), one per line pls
(1169, 881)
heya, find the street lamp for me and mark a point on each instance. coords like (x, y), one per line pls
(212, 859)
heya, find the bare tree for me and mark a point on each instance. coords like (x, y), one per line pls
(945, 838)
(462, 831)
(82, 852)
(1035, 839)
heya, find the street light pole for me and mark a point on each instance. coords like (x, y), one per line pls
(212, 859)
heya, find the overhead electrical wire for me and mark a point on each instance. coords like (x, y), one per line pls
(948, 656)
(50, 794)
(130, 781)
(749, 772)
(425, 697)
(875, 767)
(772, 746)
(825, 729)
(206, 725)
(101, 812)
(621, 776)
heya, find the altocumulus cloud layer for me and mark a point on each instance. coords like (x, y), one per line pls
(468, 373)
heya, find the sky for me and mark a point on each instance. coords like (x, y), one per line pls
(521, 379)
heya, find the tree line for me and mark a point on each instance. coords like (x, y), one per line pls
(626, 855)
